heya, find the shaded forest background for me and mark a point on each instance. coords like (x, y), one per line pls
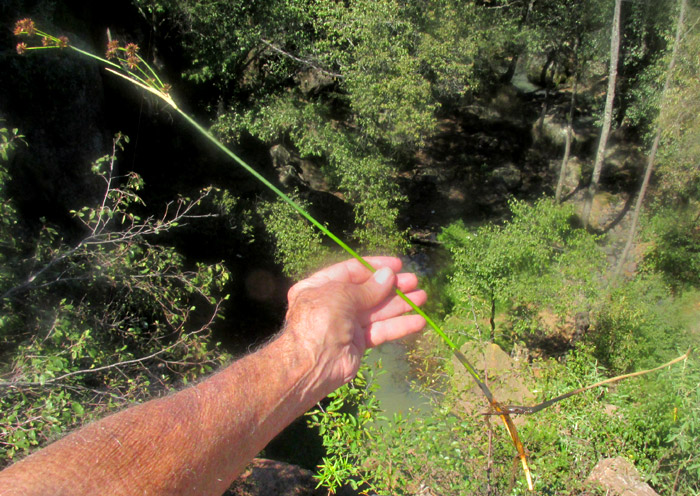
(468, 136)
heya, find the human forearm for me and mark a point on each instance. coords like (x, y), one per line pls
(199, 440)
(194, 442)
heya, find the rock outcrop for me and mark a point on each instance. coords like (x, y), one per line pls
(508, 379)
(618, 477)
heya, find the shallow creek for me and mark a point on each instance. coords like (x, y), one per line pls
(395, 393)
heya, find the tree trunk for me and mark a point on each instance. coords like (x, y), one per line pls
(543, 112)
(607, 116)
(492, 320)
(655, 146)
(545, 68)
(567, 146)
(508, 76)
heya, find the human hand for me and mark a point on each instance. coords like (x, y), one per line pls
(344, 309)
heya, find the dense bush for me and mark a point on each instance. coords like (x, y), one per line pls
(298, 245)
(651, 421)
(675, 247)
(102, 322)
(556, 267)
(638, 325)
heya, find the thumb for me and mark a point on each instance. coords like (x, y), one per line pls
(375, 289)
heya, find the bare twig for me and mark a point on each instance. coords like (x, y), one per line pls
(476, 321)
(305, 62)
(118, 365)
(527, 410)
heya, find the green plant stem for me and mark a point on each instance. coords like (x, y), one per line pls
(446, 339)
(92, 55)
(133, 78)
(158, 90)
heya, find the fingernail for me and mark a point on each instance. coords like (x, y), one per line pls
(382, 275)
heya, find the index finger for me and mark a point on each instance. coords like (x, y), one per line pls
(349, 271)
(354, 272)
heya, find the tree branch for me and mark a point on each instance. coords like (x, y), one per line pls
(305, 62)
(527, 410)
(54, 381)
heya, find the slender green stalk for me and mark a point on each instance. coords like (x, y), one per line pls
(460, 356)
(154, 85)
(92, 55)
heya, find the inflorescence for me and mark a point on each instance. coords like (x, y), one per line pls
(28, 28)
(124, 61)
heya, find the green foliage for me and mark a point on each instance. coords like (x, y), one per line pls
(8, 214)
(441, 451)
(638, 326)
(641, 420)
(651, 421)
(111, 319)
(569, 33)
(566, 441)
(683, 432)
(298, 245)
(344, 422)
(354, 85)
(645, 96)
(674, 250)
(678, 175)
(358, 171)
(538, 259)
(648, 32)
(456, 48)
(224, 39)
(372, 43)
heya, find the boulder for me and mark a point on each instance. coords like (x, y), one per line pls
(509, 175)
(508, 380)
(550, 130)
(281, 160)
(572, 174)
(312, 175)
(314, 80)
(292, 170)
(618, 477)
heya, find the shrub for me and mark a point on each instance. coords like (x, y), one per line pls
(536, 260)
(675, 247)
(110, 319)
(638, 326)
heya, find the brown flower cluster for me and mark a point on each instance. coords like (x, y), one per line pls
(112, 48)
(25, 26)
(131, 50)
(132, 58)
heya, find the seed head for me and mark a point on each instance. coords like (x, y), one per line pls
(132, 62)
(131, 49)
(112, 48)
(21, 48)
(25, 26)
(45, 41)
(62, 42)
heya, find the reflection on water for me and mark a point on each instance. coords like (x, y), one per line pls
(395, 393)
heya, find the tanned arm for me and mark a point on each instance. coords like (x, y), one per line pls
(199, 440)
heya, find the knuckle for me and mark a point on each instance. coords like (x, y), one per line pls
(320, 302)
